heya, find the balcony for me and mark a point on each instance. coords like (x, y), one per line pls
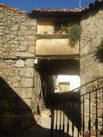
(55, 45)
(53, 40)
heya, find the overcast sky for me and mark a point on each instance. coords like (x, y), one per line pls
(28, 5)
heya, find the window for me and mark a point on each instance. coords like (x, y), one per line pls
(59, 27)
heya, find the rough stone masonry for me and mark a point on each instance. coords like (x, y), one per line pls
(90, 66)
(18, 76)
(17, 70)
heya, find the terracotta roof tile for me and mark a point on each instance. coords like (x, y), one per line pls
(58, 12)
(67, 12)
(12, 9)
(52, 10)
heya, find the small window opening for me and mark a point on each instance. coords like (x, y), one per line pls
(60, 26)
(66, 83)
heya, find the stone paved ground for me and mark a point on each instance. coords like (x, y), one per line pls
(34, 132)
(41, 129)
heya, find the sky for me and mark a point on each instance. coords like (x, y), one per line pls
(28, 5)
(74, 80)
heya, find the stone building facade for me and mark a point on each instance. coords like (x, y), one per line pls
(20, 82)
(92, 34)
(21, 45)
(17, 69)
(91, 67)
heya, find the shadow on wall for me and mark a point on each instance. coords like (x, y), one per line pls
(68, 102)
(16, 118)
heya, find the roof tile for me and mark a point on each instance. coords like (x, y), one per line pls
(12, 9)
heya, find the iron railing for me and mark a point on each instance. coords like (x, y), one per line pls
(64, 125)
(66, 115)
(79, 115)
(92, 109)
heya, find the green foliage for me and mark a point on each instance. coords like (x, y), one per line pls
(101, 132)
(64, 27)
(100, 48)
(75, 33)
(99, 52)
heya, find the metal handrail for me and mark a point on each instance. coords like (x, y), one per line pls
(96, 90)
(75, 113)
(78, 89)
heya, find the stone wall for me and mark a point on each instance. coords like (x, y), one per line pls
(92, 33)
(17, 70)
(90, 66)
(45, 27)
(19, 81)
